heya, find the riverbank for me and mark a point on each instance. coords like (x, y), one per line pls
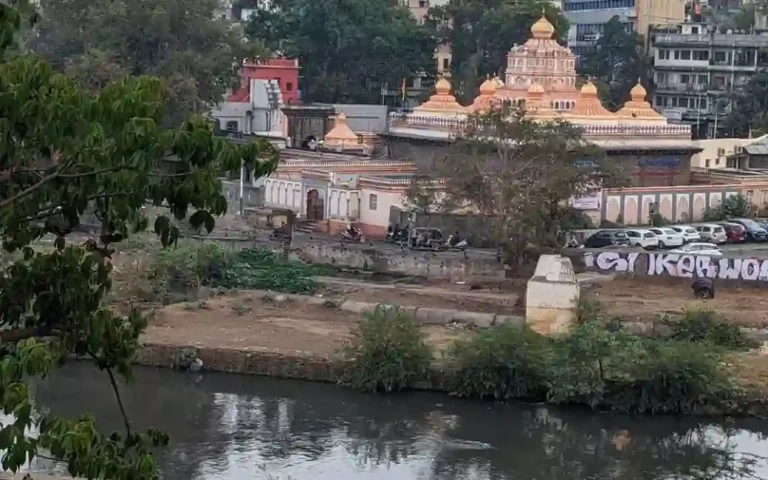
(257, 334)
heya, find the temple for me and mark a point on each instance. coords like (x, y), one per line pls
(350, 170)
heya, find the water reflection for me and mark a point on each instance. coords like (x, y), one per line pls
(235, 427)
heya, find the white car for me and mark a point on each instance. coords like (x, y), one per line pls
(709, 232)
(699, 249)
(688, 232)
(668, 237)
(642, 238)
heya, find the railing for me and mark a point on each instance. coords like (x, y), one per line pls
(456, 124)
(273, 62)
(682, 87)
(698, 173)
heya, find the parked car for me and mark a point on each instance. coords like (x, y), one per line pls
(688, 232)
(755, 232)
(668, 237)
(642, 238)
(698, 248)
(712, 233)
(734, 232)
(608, 238)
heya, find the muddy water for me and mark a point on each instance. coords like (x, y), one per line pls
(228, 427)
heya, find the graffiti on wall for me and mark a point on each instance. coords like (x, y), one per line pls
(678, 265)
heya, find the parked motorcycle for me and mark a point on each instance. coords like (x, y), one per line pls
(352, 237)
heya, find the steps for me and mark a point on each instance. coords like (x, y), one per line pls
(307, 227)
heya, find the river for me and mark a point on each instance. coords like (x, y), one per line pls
(231, 427)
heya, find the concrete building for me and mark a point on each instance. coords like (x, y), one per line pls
(587, 18)
(695, 70)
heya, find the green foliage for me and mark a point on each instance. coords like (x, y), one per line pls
(348, 49)
(387, 352)
(708, 326)
(502, 363)
(674, 377)
(588, 359)
(208, 264)
(182, 42)
(747, 116)
(657, 220)
(481, 32)
(484, 168)
(734, 206)
(599, 365)
(65, 153)
(617, 63)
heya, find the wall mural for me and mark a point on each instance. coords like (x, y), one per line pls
(678, 265)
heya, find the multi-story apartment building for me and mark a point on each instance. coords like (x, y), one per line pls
(587, 18)
(696, 69)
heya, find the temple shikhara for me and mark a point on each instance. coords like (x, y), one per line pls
(355, 174)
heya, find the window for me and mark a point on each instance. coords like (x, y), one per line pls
(373, 202)
(232, 126)
(446, 63)
(288, 86)
(701, 55)
(663, 54)
(423, 3)
(706, 163)
(695, 30)
(685, 54)
(685, 78)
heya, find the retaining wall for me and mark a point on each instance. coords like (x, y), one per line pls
(448, 266)
(744, 269)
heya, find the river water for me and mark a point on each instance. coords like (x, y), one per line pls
(231, 427)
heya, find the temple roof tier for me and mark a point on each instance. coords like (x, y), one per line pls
(442, 102)
(638, 108)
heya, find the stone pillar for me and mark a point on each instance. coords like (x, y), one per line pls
(552, 296)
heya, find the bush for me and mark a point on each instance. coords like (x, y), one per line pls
(208, 264)
(387, 352)
(594, 365)
(192, 265)
(502, 363)
(262, 269)
(674, 377)
(708, 326)
(589, 358)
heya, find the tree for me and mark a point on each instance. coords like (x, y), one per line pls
(520, 174)
(747, 116)
(180, 41)
(347, 49)
(481, 33)
(65, 151)
(734, 206)
(617, 63)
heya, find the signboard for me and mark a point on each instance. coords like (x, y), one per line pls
(588, 202)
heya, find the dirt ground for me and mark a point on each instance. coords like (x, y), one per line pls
(245, 321)
(441, 295)
(644, 299)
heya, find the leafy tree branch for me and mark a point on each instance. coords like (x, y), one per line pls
(66, 151)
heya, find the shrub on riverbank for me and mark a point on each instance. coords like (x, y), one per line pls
(710, 327)
(594, 365)
(501, 363)
(388, 351)
(194, 265)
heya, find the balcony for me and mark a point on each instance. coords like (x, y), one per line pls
(682, 87)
